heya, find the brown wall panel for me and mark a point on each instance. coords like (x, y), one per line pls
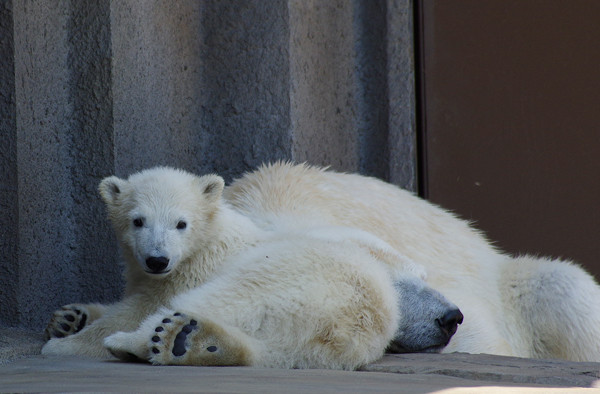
(511, 120)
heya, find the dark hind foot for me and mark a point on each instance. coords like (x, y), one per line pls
(182, 340)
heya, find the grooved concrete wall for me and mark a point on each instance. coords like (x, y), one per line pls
(91, 89)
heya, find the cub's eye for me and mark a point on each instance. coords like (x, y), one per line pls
(181, 225)
(138, 222)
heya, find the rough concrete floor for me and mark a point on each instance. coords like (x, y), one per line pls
(22, 369)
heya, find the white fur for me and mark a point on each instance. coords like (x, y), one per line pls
(312, 297)
(526, 306)
(335, 245)
(302, 302)
(162, 196)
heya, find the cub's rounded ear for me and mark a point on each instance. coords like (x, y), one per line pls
(211, 187)
(111, 189)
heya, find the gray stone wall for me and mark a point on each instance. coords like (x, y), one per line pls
(91, 89)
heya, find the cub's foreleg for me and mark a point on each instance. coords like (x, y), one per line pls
(125, 315)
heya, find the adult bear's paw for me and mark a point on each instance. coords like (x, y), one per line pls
(68, 320)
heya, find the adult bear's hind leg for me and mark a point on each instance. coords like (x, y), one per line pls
(552, 309)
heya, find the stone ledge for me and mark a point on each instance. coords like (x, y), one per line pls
(489, 368)
(17, 343)
(77, 374)
(22, 369)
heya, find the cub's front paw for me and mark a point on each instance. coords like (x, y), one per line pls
(127, 346)
(68, 320)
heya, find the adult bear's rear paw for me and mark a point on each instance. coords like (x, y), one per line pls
(68, 320)
(182, 340)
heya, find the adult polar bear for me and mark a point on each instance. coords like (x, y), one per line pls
(286, 296)
(524, 306)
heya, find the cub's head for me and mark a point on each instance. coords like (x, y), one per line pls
(162, 216)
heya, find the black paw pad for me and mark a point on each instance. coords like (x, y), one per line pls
(81, 323)
(179, 345)
(212, 349)
(70, 318)
(179, 348)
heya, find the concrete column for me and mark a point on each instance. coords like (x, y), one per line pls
(90, 89)
(156, 84)
(62, 136)
(9, 202)
(370, 29)
(401, 94)
(246, 75)
(200, 85)
(352, 86)
(322, 83)
(43, 108)
(96, 266)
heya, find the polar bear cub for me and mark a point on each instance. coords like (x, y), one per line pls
(206, 285)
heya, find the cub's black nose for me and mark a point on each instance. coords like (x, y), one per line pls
(450, 321)
(157, 264)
